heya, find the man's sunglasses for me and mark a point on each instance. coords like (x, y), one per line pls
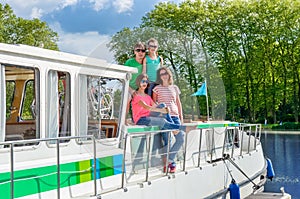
(140, 50)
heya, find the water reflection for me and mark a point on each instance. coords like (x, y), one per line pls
(283, 148)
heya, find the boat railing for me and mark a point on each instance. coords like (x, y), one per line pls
(234, 140)
(238, 140)
(57, 141)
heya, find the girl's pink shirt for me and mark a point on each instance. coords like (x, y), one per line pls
(137, 110)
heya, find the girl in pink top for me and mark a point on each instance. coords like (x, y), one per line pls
(142, 104)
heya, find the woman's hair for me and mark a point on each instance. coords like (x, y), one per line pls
(158, 78)
(139, 79)
(152, 40)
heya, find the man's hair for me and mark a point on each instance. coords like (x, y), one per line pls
(139, 45)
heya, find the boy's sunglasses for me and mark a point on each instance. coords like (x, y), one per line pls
(140, 50)
(144, 81)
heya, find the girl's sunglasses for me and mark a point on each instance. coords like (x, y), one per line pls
(144, 81)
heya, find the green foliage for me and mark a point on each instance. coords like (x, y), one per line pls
(28, 99)
(287, 126)
(255, 46)
(10, 88)
(16, 30)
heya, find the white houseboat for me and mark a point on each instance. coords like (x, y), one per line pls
(63, 135)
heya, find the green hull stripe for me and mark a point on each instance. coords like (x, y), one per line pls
(144, 129)
(86, 167)
(41, 179)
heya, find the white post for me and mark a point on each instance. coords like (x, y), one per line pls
(207, 107)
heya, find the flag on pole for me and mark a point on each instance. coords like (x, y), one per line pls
(201, 90)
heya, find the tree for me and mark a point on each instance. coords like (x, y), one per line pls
(253, 46)
(16, 30)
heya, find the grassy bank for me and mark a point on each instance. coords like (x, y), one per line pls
(283, 126)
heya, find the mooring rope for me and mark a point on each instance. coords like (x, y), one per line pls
(226, 157)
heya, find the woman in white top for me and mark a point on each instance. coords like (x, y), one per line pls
(168, 93)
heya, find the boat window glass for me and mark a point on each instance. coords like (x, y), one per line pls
(10, 88)
(58, 106)
(99, 109)
(21, 108)
(28, 112)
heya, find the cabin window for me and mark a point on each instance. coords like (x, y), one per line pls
(99, 106)
(58, 105)
(20, 99)
(10, 89)
(28, 111)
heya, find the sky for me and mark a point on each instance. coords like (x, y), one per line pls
(85, 25)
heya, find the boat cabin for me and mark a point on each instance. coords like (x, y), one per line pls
(46, 94)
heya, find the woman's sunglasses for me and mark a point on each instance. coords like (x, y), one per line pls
(140, 50)
(153, 46)
(144, 81)
(165, 73)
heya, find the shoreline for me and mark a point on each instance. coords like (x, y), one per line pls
(286, 132)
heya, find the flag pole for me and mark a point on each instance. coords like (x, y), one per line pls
(207, 107)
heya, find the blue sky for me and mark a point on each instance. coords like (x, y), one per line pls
(84, 25)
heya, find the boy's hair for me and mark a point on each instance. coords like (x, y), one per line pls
(158, 78)
(139, 45)
(139, 79)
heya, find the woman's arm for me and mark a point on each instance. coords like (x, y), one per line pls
(154, 97)
(179, 106)
(144, 66)
(161, 61)
(152, 108)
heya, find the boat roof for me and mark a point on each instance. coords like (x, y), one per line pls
(37, 53)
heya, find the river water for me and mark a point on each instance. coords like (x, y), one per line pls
(283, 148)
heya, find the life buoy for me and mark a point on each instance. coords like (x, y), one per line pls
(270, 170)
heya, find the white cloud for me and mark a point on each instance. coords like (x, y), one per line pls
(67, 3)
(119, 5)
(123, 5)
(99, 4)
(90, 44)
(36, 13)
(35, 9)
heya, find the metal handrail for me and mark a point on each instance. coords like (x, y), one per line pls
(232, 143)
(13, 143)
(148, 134)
